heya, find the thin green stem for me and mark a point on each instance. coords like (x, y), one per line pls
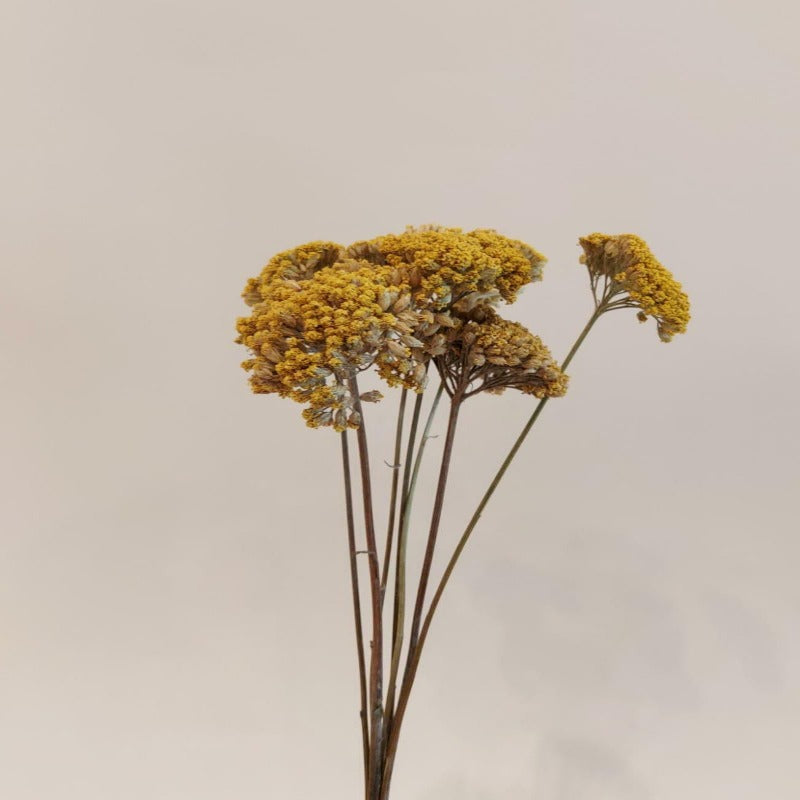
(598, 312)
(400, 589)
(412, 439)
(395, 467)
(351, 541)
(414, 655)
(503, 468)
(411, 657)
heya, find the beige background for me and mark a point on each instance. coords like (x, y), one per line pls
(173, 581)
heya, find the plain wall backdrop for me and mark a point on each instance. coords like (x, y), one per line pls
(175, 617)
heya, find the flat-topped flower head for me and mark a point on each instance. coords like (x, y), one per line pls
(492, 354)
(448, 268)
(631, 273)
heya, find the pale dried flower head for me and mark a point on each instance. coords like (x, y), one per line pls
(492, 354)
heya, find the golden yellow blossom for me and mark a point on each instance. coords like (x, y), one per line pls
(296, 264)
(310, 336)
(447, 268)
(633, 275)
(519, 262)
(302, 262)
(321, 313)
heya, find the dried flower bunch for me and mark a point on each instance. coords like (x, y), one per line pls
(410, 305)
(322, 312)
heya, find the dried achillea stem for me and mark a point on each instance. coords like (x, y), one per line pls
(414, 655)
(351, 541)
(376, 656)
(395, 467)
(400, 582)
(400, 304)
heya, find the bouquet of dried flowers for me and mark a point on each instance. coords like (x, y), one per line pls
(414, 306)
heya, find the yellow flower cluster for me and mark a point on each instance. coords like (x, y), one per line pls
(626, 262)
(450, 268)
(322, 312)
(309, 336)
(296, 264)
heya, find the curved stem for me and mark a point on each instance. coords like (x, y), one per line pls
(351, 541)
(502, 471)
(414, 655)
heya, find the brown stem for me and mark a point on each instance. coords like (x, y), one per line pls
(351, 541)
(414, 655)
(376, 655)
(436, 516)
(412, 658)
